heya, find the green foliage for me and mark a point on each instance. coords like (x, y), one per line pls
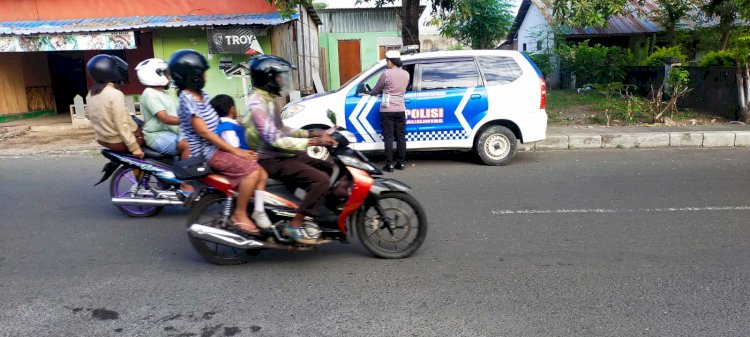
(722, 58)
(620, 102)
(677, 79)
(662, 54)
(669, 13)
(543, 61)
(319, 5)
(593, 64)
(481, 24)
(586, 13)
(456, 46)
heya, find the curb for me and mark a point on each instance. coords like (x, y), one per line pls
(681, 139)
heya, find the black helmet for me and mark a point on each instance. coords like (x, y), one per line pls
(105, 68)
(186, 68)
(265, 68)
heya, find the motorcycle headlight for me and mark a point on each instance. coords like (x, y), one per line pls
(292, 110)
(356, 163)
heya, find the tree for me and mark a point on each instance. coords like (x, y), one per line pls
(727, 11)
(586, 13)
(669, 15)
(481, 24)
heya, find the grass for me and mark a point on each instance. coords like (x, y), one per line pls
(567, 107)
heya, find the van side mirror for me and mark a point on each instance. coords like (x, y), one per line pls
(361, 89)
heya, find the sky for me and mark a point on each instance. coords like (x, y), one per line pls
(423, 28)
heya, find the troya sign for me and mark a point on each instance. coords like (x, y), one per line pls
(63, 42)
(234, 41)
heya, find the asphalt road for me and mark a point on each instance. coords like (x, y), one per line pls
(574, 243)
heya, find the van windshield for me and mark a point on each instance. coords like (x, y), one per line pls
(377, 64)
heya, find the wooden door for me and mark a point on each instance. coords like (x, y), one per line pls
(350, 62)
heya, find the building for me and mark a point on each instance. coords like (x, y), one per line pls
(532, 32)
(45, 44)
(353, 40)
(345, 21)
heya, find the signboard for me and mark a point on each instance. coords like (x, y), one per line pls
(240, 40)
(65, 42)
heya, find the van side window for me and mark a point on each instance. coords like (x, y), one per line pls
(446, 75)
(373, 79)
(499, 70)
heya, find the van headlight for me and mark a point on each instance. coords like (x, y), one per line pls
(292, 110)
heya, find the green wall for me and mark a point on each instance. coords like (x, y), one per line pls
(368, 47)
(167, 41)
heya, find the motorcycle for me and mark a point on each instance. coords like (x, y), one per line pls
(142, 187)
(387, 220)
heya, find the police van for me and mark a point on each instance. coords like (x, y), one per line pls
(482, 100)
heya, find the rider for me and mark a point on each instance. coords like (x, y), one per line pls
(198, 122)
(160, 131)
(114, 127)
(282, 149)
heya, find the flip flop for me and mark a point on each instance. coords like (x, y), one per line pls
(243, 227)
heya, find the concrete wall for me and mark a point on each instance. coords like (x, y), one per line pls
(368, 45)
(167, 41)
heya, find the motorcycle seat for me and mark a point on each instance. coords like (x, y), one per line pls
(153, 154)
(274, 182)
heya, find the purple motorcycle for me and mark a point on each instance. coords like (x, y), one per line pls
(142, 187)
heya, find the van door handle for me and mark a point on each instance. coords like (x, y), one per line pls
(476, 96)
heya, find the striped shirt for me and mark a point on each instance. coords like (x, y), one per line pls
(189, 107)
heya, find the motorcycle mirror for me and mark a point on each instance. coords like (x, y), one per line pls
(332, 116)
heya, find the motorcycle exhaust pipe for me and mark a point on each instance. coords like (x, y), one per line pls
(145, 202)
(223, 237)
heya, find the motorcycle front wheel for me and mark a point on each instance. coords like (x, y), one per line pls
(125, 184)
(395, 233)
(209, 211)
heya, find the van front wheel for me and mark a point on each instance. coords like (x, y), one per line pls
(496, 146)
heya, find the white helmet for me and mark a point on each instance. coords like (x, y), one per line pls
(152, 72)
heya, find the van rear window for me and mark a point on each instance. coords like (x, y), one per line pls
(499, 70)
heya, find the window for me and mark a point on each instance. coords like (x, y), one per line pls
(539, 45)
(524, 47)
(499, 70)
(373, 79)
(445, 75)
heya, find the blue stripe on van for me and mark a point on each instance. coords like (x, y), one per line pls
(539, 73)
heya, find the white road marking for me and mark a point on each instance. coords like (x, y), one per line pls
(620, 210)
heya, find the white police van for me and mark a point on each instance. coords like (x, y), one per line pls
(481, 100)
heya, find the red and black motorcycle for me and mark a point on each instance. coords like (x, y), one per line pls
(388, 221)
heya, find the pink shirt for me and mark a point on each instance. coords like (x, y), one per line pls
(392, 82)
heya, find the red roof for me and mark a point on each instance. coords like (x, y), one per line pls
(13, 10)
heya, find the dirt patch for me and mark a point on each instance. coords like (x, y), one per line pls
(49, 140)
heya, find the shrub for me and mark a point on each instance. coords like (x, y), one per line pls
(593, 64)
(723, 58)
(543, 61)
(660, 56)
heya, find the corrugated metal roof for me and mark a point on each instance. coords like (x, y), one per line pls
(361, 20)
(138, 22)
(636, 20)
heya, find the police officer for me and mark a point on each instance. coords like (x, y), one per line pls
(392, 84)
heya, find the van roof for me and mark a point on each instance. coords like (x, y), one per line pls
(459, 53)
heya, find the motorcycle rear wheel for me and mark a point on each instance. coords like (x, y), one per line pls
(121, 185)
(405, 236)
(208, 211)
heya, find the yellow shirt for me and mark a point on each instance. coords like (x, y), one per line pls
(110, 118)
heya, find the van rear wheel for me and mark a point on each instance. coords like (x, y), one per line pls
(496, 145)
